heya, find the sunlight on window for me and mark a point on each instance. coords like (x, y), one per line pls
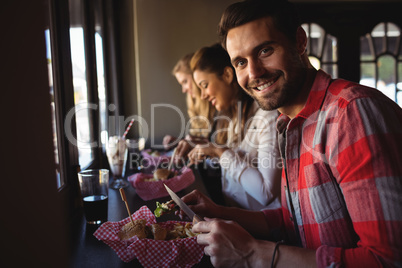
(60, 182)
(322, 48)
(381, 65)
(80, 96)
(101, 87)
(315, 62)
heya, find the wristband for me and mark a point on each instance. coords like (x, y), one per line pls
(275, 250)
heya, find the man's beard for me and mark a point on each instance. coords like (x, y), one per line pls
(287, 93)
(280, 97)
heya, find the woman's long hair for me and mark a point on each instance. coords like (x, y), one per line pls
(214, 59)
(200, 111)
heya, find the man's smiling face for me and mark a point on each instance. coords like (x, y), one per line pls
(268, 66)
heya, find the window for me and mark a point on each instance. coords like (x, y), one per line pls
(321, 48)
(80, 46)
(381, 60)
(347, 22)
(82, 112)
(101, 87)
(60, 182)
(88, 79)
(90, 102)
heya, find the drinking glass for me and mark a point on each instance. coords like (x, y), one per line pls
(94, 185)
(116, 151)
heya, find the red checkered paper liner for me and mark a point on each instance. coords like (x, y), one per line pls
(184, 252)
(149, 190)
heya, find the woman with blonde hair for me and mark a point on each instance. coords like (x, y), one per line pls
(200, 111)
(245, 139)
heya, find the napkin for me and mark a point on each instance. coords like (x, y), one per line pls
(183, 252)
(149, 190)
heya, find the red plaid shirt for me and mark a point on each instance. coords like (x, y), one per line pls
(343, 164)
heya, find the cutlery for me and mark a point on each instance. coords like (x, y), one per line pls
(183, 206)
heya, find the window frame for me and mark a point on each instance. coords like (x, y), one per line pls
(347, 21)
(378, 53)
(64, 100)
(59, 25)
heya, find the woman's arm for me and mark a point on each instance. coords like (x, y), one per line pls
(256, 163)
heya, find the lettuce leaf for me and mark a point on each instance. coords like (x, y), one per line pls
(166, 208)
(158, 211)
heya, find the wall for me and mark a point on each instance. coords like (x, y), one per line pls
(32, 225)
(166, 31)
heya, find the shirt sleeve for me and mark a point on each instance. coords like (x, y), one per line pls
(367, 161)
(274, 218)
(256, 165)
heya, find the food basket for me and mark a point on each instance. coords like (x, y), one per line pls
(149, 190)
(183, 252)
(149, 158)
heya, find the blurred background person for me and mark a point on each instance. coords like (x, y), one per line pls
(200, 111)
(245, 138)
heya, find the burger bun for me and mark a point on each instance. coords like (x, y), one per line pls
(131, 229)
(163, 174)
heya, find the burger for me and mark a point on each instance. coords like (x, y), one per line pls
(131, 229)
(158, 232)
(163, 174)
(141, 230)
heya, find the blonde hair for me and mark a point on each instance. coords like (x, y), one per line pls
(214, 59)
(200, 111)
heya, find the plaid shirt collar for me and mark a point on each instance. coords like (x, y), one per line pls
(313, 103)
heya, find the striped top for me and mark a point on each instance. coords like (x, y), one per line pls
(343, 177)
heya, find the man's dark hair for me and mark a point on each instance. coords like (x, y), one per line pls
(284, 15)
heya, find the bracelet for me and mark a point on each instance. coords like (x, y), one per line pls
(275, 250)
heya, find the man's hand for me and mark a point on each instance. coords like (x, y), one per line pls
(201, 205)
(227, 243)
